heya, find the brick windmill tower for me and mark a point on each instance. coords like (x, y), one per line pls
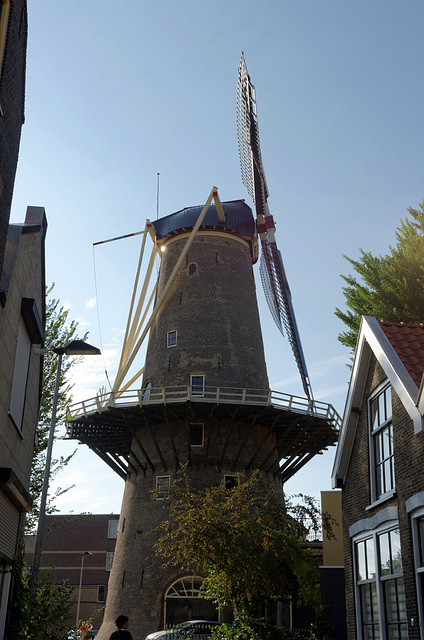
(204, 400)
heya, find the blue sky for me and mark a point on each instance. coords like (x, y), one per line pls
(117, 93)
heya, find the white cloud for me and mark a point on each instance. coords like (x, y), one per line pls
(91, 303)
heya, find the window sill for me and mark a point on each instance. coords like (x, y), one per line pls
(387, 496)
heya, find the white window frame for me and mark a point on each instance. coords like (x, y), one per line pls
(109, 560)
(198, 394)
(379, 579)
(112, 527)
(160, 492)
(373, 435)
(417, 514)
(168, 337)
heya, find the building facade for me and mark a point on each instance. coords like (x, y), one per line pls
(22, 311)
(22, 286)
(80, 548)
(379, 468)
(13, 47)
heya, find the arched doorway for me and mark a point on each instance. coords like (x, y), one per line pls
(184, 601)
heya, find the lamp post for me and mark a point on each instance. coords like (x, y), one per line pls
(86, 553)
(74, 348)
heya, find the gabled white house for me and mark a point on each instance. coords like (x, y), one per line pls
(379, 465)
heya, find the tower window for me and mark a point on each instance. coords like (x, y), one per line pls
(196, 435)
(171, 339)
(147, 390)
(231, 481)
(192, 269)
(197, 384)
(162, 487)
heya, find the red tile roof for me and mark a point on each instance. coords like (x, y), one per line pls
(408, 342)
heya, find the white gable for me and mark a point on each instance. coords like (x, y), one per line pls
(372, 339)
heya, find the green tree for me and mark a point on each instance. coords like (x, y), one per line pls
(241, 539)
(59, 331)
(38, 614)
(390, 287)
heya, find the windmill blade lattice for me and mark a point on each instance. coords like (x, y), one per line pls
(274, 281)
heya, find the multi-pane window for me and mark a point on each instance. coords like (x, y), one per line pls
(418, 537)
(381, 430)
(171, 339)
(367, 589)
(163, 484)
(112, 528)
(196, 435)
(380, 587)
(109, 560)
(197, 384)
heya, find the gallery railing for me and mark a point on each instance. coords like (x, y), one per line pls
(215, 395)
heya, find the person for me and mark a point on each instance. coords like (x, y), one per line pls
(122, 632)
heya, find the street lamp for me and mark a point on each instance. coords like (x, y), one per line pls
(86, 553)
(74, 348)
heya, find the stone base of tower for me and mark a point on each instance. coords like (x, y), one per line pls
(139, 586)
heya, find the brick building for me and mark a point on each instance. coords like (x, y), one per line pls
(22, 286)
(67, 538)
(13, 46)
(379, 466)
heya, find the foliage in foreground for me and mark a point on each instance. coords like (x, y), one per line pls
(242, 539)
(58, 333)
(390, 287)
(246, 627)
(38, 613)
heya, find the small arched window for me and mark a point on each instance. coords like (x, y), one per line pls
(192, 269)
(147, 390)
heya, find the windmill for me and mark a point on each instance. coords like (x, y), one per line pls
(201, 399)
(273, 276)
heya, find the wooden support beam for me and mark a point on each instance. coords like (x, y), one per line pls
(155, 442)
(172, 436)
(161, 298)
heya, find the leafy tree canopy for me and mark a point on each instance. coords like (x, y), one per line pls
(241, 539)
(59, 332)
(389, 287)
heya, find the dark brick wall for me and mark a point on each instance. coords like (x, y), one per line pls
(12, 96)
(409, 479)
(66, 538)
(138, 580)
(215, 314)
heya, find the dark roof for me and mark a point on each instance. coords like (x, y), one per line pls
(408, 342)
(238, 214)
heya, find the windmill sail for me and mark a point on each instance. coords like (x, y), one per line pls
(274, 281)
